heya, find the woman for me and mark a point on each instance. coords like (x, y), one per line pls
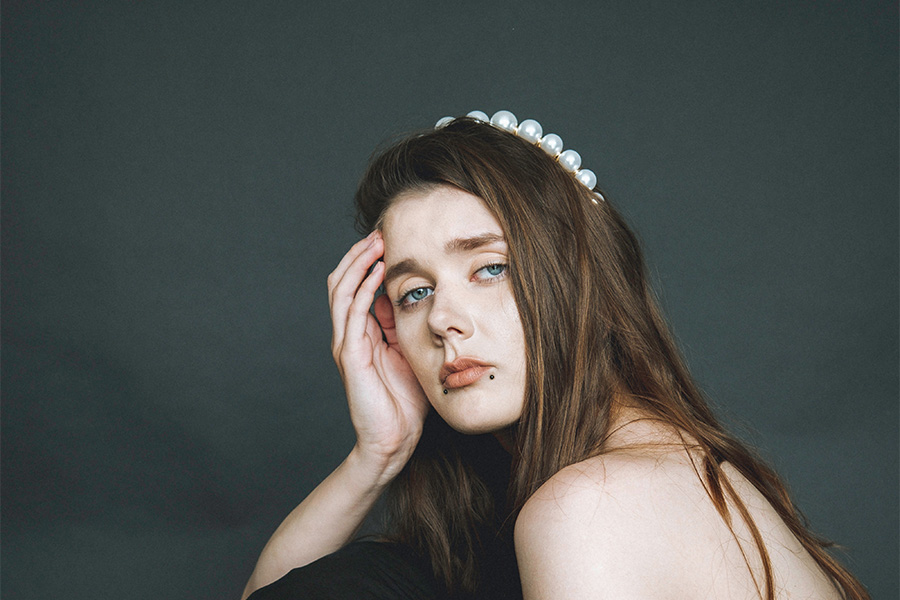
(516, 305)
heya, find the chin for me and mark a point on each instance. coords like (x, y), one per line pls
(475, 428)
(474, 420)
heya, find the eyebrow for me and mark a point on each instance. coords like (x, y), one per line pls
(456, 245)
(472, 243)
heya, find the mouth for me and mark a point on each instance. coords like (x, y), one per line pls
(462, 372)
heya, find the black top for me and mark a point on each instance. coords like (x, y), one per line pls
(370, 570)
(364, 570)
(378, 570)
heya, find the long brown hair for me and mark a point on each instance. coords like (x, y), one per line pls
(592, 328)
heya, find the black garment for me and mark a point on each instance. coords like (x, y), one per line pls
(369, 570)
(364, 570)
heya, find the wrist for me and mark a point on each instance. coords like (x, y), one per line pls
(377, 467)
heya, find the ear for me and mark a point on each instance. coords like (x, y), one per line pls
(384, 312)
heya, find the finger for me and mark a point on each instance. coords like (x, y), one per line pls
(384, 312)
(355, 250)
(373, 330)
(344, 291)
(349, 277)
(358, 314)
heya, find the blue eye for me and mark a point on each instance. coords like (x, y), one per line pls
(491, 271)
(416, 295)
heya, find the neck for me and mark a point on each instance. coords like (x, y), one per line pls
(631, 427)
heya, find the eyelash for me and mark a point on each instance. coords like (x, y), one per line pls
(403, 304)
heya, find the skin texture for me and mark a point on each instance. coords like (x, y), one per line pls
(447, 280)
(637, 523)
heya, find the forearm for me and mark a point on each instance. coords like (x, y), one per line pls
(325, 521)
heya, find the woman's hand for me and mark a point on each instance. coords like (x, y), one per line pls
(387, 404)
(387, 407)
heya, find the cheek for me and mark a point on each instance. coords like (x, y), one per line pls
(404, 334)
(513, 334)
(409, 338)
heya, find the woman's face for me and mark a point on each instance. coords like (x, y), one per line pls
(457, 322)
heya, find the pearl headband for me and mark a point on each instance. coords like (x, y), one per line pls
(531, 131)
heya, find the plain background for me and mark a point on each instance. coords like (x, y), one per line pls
(176, 185)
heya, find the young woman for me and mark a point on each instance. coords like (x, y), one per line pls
(521, 395)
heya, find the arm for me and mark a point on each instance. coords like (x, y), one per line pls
(387, 407)
(326, 520)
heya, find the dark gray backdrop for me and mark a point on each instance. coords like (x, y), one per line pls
(177, 180)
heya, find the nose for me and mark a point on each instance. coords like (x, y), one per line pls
(450, 315)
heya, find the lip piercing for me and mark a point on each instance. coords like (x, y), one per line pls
(492, 376)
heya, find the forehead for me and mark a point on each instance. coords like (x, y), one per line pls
(434, 216)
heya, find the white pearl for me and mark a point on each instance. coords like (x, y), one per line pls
(530, 130)
(570, 160)
(503, 119)
(442, 121)
(552, 144)
(587, 177)
(477, 114)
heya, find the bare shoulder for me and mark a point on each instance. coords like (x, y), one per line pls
(641, 525)
(592, 490)
(608, 527)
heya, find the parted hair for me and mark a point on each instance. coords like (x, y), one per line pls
(592, 329)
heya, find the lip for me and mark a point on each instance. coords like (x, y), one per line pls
(462, 372)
